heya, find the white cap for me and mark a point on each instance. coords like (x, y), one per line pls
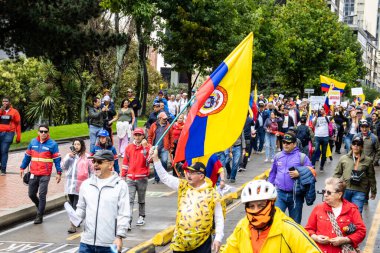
(107, 98)
(258, 190)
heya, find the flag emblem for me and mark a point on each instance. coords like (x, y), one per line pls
(215, 102)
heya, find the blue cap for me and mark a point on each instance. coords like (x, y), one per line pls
(103, 133)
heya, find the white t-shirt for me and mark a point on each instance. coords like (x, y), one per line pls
(102, 182)
(337, 211)
(353, 128)
(172, 105)
(322, 127)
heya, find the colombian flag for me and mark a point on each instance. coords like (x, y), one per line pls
(328, 83)
(217, 117)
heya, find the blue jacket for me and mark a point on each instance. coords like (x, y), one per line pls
(279, 174)
(305, 184)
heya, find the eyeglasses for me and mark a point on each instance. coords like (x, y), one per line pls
(97, 161)
(327, 192)
(43, 131)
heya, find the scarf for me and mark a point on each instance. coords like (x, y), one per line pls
(262, 219)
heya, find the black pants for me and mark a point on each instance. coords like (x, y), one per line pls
(73, 200)
(39, 184)
(204, 248)
(339, 141)
(244, 161)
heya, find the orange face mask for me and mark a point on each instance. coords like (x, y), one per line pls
(261, 219)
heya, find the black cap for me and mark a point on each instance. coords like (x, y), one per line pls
(358, 140)
(198, 166)
(290, 138)
(103, 155)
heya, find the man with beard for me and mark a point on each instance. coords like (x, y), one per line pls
(10, 123)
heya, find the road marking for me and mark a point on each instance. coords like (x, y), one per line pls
(73, 237)
(29, 223)
(371, 240)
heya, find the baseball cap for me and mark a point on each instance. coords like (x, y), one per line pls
(291, 103)
(138, 131)
(103, 133)
(364, 123)
(198, 166)
(103, 154)
(156, 104)
(357, 140)
(160, 92)
(289, 138)
(303, 119)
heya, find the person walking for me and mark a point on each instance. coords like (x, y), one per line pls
(95, 120)
(288, 166)
(234, 155)
(155, 132)
(357, 170)
(77, 168)
(352, 128)
(260, 130)
(125, 118)
(41, 153)
(135, 170)
(265, 228)
(271, 127)
(10, 124)
(247, 136)
(336, 224)
(105, 143)
(321, 135)
(371, 145)
(135, 104)
(103, 203)
(199, 207)
(339, 119)
(304, 134)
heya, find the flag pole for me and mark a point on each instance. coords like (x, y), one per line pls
(174, 120)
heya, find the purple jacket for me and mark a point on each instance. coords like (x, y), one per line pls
(279, 174)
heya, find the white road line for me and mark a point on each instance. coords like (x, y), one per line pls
(30, 223)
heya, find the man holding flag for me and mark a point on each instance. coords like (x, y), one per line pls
(214, 122)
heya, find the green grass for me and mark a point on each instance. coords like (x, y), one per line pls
(60, 132)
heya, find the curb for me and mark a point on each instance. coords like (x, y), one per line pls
(29, 212)
(164, 237)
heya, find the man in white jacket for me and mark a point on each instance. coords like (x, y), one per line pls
(103, 203)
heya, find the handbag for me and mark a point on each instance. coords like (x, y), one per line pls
(26, 177)
(346, 248)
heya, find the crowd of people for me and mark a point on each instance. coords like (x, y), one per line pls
(294, 135)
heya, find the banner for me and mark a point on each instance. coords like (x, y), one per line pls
(356, 91)
(334, 97)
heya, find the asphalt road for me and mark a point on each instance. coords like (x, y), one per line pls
(52, 236)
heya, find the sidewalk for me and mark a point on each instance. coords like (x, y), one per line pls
(15, 205)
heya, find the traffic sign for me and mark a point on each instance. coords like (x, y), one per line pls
(309, 91)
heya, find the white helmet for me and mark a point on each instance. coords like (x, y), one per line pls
(258, 190)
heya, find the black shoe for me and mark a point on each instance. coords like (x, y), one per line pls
(331, 158)
(338, 152)
(38, 219)
(321, 169)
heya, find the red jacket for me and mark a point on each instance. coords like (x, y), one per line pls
(319, 223)
(167, 139)
(11, 122)
(134, 163)
(177, 129)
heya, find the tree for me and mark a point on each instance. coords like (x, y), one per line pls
(311, 42)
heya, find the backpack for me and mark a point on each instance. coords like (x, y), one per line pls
(303, 134)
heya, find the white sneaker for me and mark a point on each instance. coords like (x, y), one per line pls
(249, 159)
(266, 160)
(271, 160)
(140, 221)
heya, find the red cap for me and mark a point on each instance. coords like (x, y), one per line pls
(139, 131)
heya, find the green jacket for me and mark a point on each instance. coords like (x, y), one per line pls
(345, 167)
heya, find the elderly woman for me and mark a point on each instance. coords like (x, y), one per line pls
(336, 224)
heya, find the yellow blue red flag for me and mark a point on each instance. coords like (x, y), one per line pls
(217, 117)
(331, 84)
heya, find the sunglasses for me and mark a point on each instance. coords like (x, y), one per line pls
(356, 144)
(43, 131)
(97, 161)
(286, 143)
(327, 192)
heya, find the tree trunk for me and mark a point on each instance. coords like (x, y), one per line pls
(189, 84)
(142, 78)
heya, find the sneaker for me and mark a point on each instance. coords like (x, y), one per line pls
(129, 227)
(266, 160)
(321, 169)
(38, 219)
(140, 221)
(331, 158)
(240, 169)
(156, 182)
(72, 229)
(271, 160)
(232, 181)
(3, 174)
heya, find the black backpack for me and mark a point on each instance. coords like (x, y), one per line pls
(303, 134)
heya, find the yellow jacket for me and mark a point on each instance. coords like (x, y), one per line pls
(284, 236)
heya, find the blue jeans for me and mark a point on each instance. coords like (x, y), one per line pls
(260, 136)
(347, 142)
(285, 201)
(270, 145)
(94, 130)
(6, 139)
(85, 248)
(236, 155)
(355, 197)
(135, 124)
(163, 154)
(320, 141)
(222, 158)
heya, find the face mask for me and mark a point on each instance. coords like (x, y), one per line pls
(262, 218)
